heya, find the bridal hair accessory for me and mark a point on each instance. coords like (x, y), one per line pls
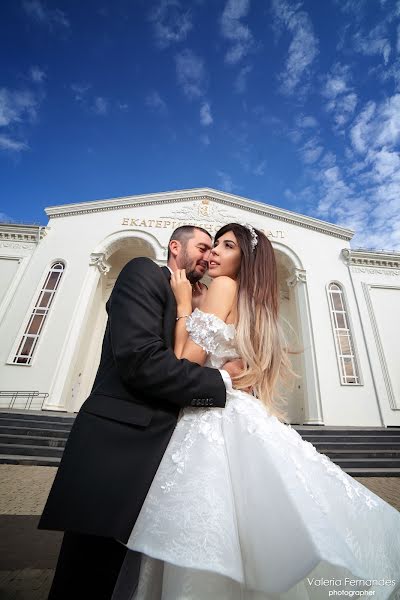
(254, 236)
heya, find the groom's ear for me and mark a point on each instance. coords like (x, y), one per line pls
(174, 247)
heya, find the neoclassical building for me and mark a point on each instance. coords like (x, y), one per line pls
(339, 306)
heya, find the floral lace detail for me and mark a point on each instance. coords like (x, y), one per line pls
(212, 334)
(228, 474)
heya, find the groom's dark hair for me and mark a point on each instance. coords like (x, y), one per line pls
(184, 233)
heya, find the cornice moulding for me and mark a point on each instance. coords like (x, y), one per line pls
(372, 258)
(231, 200)
(13, 232)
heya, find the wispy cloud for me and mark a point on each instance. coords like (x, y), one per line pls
(205, 139)
(13, 145)
(226, 182)
(235, 31)
(375, 42)
(303, 47)
(18, 110)
(5, 218)
(97, 105)
(205, 114)
(53, 19)
(17, 106)
(156, 103)
(37, 74)
(191, 73)
(341, 97)
(241, 79)
(171, 22)
(100, 105)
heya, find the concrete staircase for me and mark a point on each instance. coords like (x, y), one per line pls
(38, 438)
(33, 437)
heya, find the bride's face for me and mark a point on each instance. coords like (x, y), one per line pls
(225, 257)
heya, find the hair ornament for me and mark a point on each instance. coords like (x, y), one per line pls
(254, 236)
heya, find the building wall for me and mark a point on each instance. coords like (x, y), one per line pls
(314, 257)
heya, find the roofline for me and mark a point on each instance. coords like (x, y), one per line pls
(226, 198)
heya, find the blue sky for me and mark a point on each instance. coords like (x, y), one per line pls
(295, 104)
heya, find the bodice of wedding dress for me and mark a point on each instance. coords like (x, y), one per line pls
(215, 336)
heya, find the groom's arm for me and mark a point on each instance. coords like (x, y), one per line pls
(145, 364)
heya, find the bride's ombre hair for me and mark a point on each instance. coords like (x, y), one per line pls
(261, 341)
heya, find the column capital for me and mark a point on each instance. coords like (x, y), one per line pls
(98, 259)
(296, 276)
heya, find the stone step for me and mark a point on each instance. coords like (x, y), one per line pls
(22, 450)
(383, 463)
(326, 431)
(370, 453)
(343, 440)
(34, 414)
(29, 440)
(372, 472)
(56, 433)
(323, 446)
(15, 459)
(35, 423)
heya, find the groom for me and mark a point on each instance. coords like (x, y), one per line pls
(122, 430)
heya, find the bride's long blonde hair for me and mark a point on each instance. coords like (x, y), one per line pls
(261, 341)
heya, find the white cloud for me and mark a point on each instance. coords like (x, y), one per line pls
(259, 169)
(7, 143)
(205, 140)
(156, 103)
(342, 100)
(375, 42)
(191, 73)
(37, 74)
(17, 106)
(4, 218)
(171, 22)
(306, 121)
(51, 18)
(205, 114)
(80, 90)
(235, 31)
(241, 79)
(311, 151)
(226, 182)
(377, 126)
(100, 106)
(303, 47)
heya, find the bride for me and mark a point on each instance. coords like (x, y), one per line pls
(241, 507)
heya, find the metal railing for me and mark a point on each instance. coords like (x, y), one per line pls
(22, 400)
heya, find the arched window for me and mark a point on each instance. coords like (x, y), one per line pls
(343, 336)
(38, 316)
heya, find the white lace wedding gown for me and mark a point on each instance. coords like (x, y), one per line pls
(243, 508)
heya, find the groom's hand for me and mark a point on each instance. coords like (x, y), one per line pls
(235, 368)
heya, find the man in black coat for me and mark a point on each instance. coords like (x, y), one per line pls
(122, 430)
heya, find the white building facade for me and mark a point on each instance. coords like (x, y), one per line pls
(339, 306)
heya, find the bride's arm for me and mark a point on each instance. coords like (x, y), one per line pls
(219, 301)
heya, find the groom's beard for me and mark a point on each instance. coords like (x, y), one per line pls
(190, 267)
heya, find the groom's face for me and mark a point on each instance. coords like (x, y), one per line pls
(193, 256)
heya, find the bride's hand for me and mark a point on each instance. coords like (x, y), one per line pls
(182, 290)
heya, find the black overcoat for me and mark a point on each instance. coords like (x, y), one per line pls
(123, 428)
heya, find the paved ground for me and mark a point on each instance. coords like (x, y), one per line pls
(28, 556)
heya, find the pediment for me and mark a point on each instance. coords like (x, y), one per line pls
(203, 205)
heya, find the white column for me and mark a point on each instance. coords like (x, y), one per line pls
(58, 393)
(312, 396)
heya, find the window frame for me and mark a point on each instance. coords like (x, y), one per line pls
(36, 310)
(349, 332)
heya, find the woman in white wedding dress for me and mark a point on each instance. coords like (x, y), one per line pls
(241, 507)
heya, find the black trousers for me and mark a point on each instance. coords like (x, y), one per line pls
(88, 567)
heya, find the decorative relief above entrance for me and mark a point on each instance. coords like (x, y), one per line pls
(202, 213)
